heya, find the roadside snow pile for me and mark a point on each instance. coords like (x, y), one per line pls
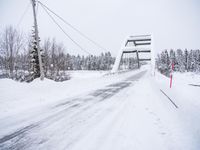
(18, 97)
(187, 78)
(187, 98)
(181, 86)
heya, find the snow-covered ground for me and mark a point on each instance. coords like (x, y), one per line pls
(187, 98)
(37, 93)
(96, 110)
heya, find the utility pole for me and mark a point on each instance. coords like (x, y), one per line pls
(37, 40)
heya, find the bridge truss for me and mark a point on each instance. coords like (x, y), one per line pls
(141, 46)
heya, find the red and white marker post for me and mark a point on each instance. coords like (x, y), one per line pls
(171, 75)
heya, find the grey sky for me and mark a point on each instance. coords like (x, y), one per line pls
(174, 23)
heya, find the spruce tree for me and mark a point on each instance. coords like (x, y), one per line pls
(35, 67)
(186, 59)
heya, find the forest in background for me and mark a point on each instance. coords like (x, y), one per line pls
(183, 60)
(16, 60)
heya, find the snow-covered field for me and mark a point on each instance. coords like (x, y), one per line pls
(95, 110)
(37, 93)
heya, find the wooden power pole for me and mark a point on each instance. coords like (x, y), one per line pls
(37, 40)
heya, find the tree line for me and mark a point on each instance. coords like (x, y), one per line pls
(19, 60)
(18, 57)
(183, 60)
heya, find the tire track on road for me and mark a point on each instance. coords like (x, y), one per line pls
(68, 109)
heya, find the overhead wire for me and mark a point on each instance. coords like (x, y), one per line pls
(70, 25)
(37, 4)
(23, 15)
(64, 31)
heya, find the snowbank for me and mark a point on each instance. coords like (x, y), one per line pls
(19, 97)
(187, 98)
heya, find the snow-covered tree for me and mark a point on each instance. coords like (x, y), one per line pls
(34, 58)
(183, 61)
(11, 42)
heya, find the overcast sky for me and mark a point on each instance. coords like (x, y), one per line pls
(174, 23)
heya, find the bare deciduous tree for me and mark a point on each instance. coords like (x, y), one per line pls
(11, 42)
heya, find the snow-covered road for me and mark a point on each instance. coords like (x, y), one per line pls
(128, 114)
(67, 122)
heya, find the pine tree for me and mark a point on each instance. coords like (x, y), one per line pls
(180, 61)
(165, 63)
(191, 61)
(186, 59)
(35, 67)
(197, 60)
(172, 56)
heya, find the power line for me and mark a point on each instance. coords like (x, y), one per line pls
(37, 8)
(65, 32)
(24, 13)
(83, 35)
